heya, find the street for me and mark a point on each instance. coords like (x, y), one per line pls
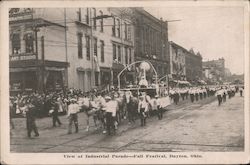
(198, 126)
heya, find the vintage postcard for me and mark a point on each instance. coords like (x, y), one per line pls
(124, 82)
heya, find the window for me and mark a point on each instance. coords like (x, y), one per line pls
(126, 55)
(130, 56)
(113, 27)
(79, 15)
(95, 47)
(87, 16)
(125, 31)
(118, 28)
(29, 46)
(101, 22)
(129, 33)
(96, 78)
(114, 52)
(102, 51)
(94, 16)
(88, 47)
(16, 44)
(119, 53)
(79, 42)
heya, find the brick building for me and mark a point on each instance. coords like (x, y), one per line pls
(177, 61)
(151, 41)
(193, 66)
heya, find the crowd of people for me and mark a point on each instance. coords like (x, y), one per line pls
(107, 108)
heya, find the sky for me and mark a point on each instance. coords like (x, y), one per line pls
(213, 31)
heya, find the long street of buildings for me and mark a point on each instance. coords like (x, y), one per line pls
(198, 126)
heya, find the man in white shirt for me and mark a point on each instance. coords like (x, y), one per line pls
(111, 108)
(159, 107)
(142, 109)
(219, 93)
(73, 109)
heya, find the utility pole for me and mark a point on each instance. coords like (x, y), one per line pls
(91, 49)
(43, 64)
(66, 48)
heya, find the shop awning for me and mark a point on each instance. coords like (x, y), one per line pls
(23, 69)
(54, 69)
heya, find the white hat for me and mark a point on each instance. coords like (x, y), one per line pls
(156, 95)
(108, 98)
(72, 99)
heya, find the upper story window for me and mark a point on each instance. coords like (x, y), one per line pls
(118, 28)
(101, 22)
(87, 16)
(94, 20)
(129, 33)
(79, 15)
(87, 47)
(102, 51)
(29, 46)
(126, 55)
(95, 47)
(130, 55)
(16, 43)
(79, 44)
(119, 53)
(125, 31)
(114, 52)
(113, 27)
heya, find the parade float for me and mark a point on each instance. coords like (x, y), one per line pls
(143, 85)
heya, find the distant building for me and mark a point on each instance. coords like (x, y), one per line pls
(214, 70)
(227, 72)
(193, 66)
(177, 61)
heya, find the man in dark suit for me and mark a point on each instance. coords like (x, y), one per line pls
(30, 119)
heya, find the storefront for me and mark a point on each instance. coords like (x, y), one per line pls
(30, 75)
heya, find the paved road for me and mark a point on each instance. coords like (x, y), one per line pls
(201, 126)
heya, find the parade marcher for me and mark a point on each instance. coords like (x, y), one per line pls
(224, 95)
(176, 97)
(241, 91)
(196, 91)
(182, 93)
(101, 112)
(192, 94)
(159, 107)
(54, 114)
(142, 109)
(200, 93)
(30, 119)
(219, 95)
(111, 108)
(73, 109)
(129, 104)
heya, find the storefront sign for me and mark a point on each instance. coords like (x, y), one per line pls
(22, 57)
